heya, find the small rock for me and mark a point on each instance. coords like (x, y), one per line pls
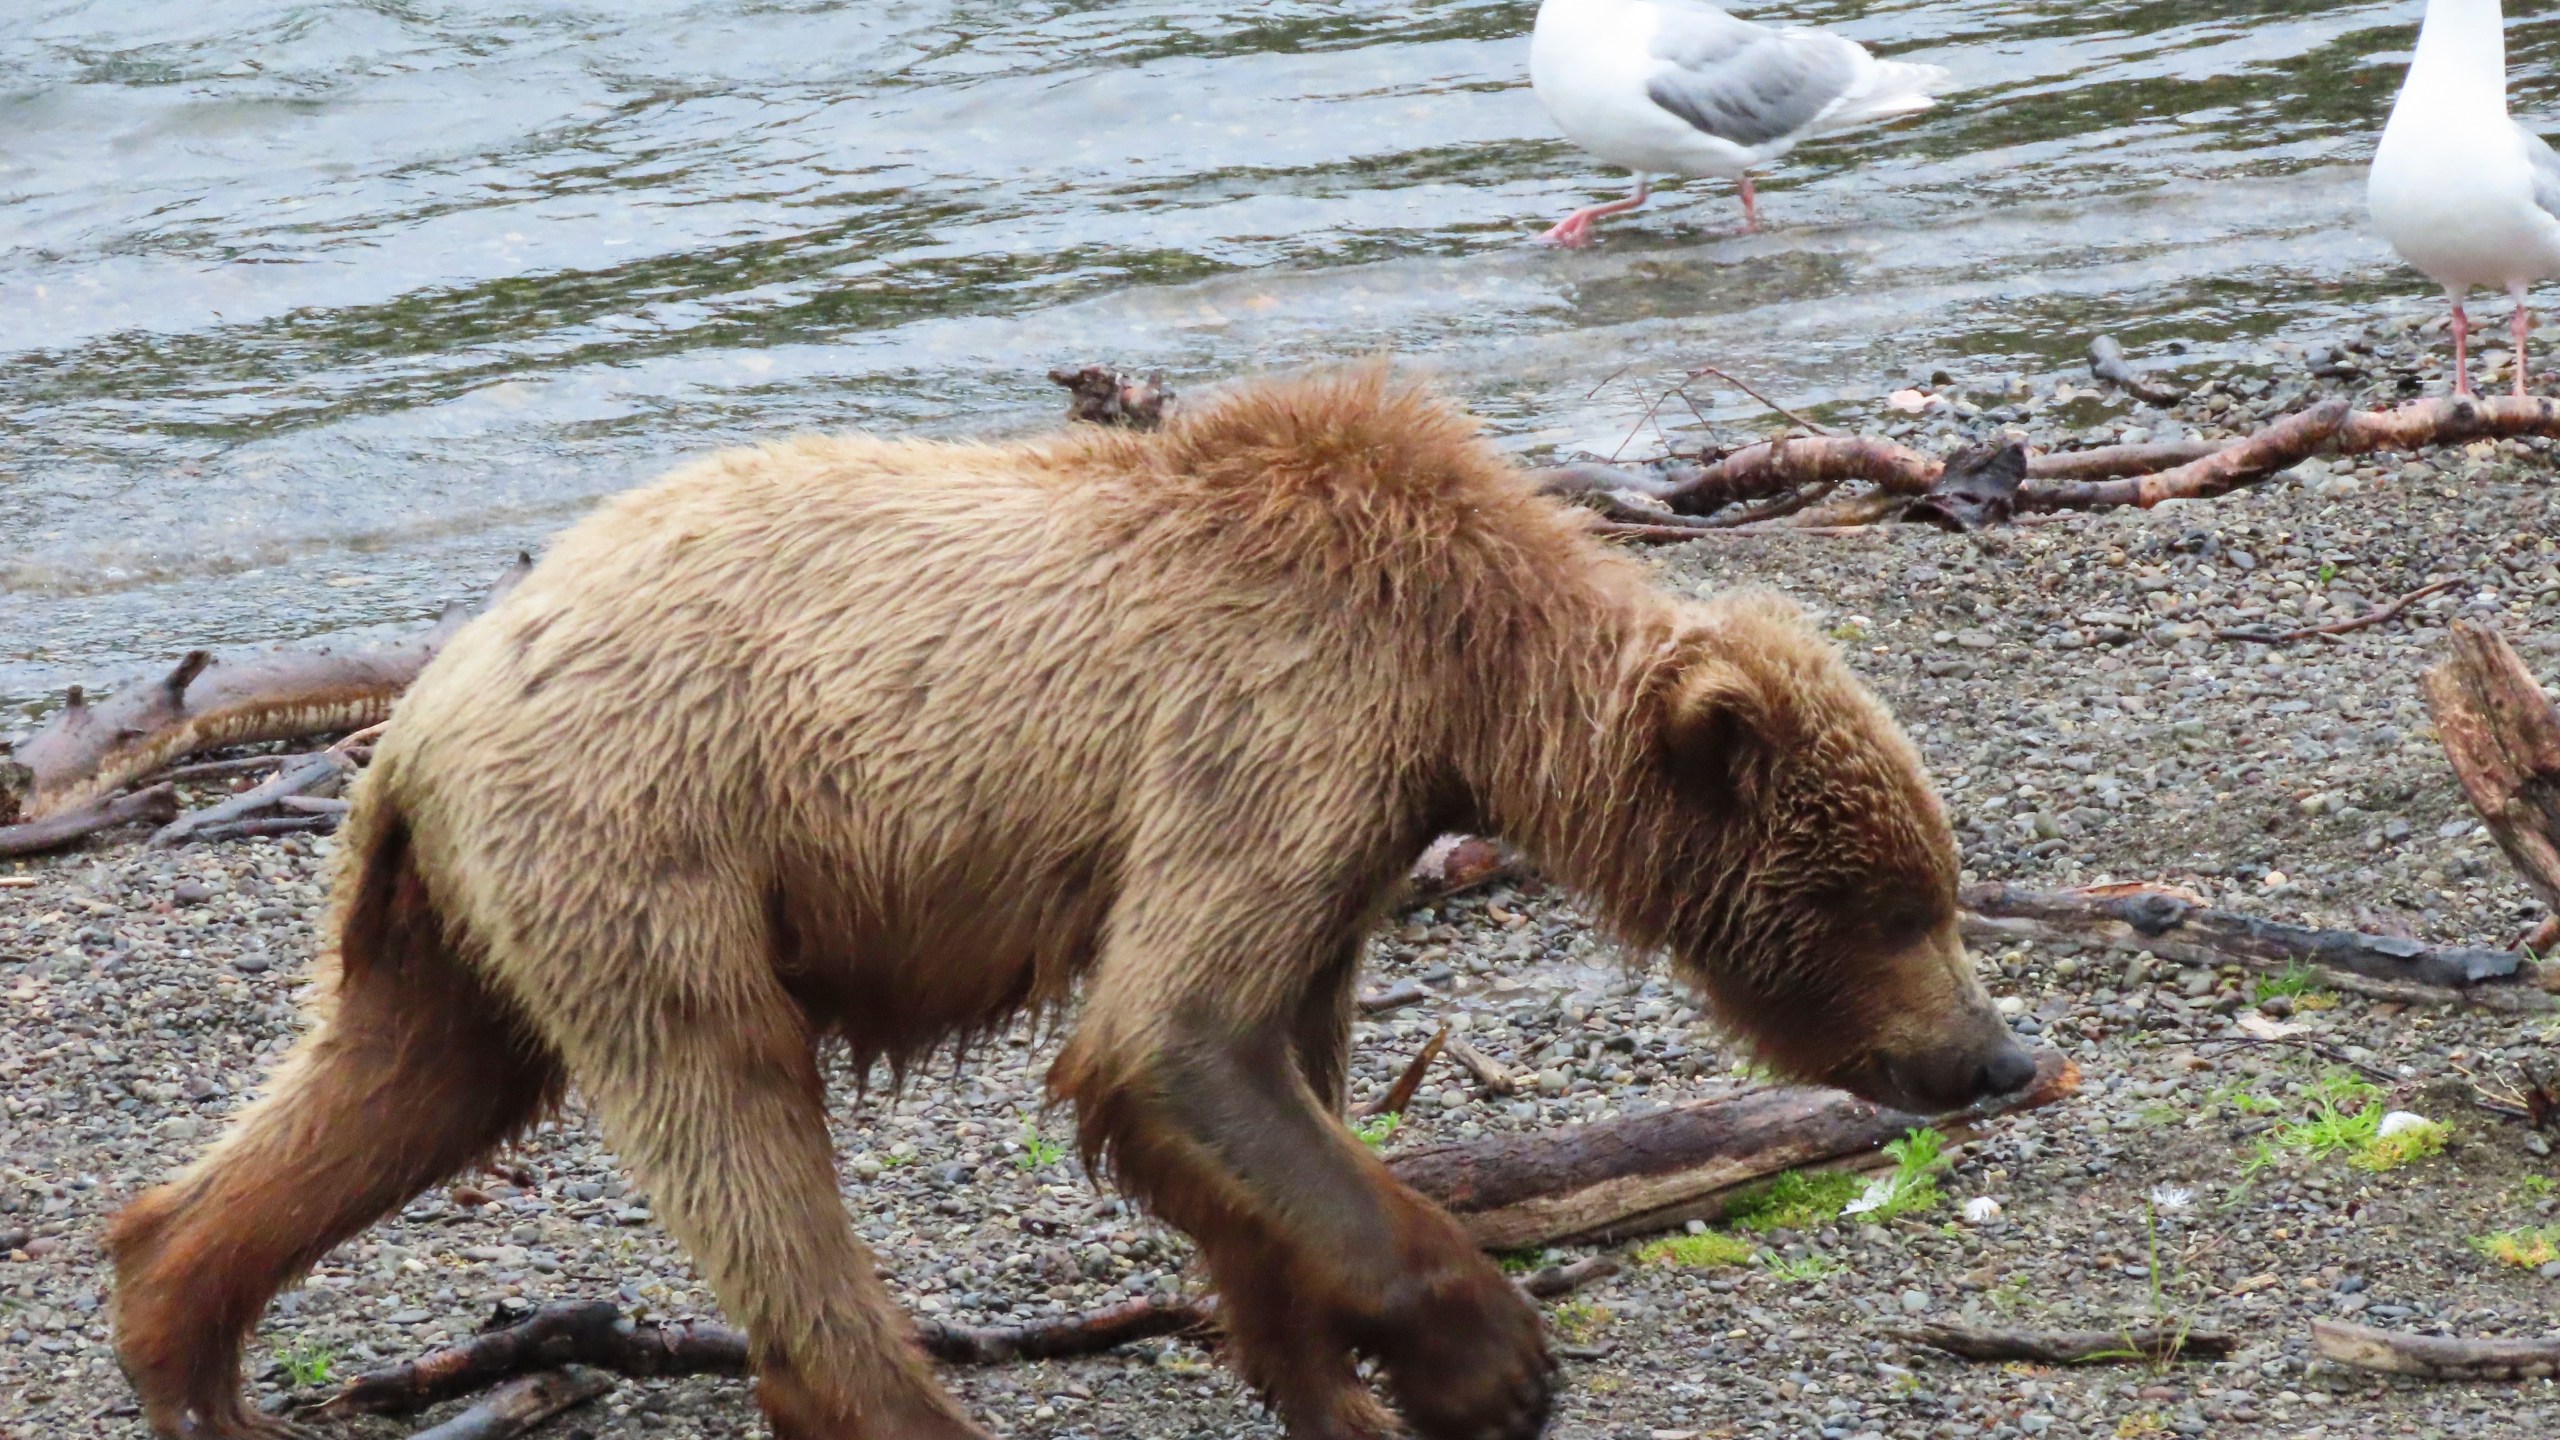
(190, 892)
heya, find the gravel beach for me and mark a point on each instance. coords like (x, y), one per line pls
(2085, 725)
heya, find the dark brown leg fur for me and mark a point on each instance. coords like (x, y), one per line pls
(1318, 1254)
(416, 1074)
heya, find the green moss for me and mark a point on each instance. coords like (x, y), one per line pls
(2529, 1248)
(1698, 1252)
(1796, 1200)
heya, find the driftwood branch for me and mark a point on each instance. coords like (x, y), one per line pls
(595, 1333)
(1486, 1071)
(2149, 1343)
(91, 749)
(1643, 1173)
(155, 806)
(330, 767)
(2502, 735)
(2107, 362)
(2177, 928)
(2105, 477)
(522, 1404)
(2435, 1357)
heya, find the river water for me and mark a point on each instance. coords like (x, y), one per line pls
(312, 313)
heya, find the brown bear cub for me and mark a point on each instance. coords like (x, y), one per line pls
(879, 743)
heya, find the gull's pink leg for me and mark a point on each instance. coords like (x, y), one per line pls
(1574, 231)
(2522, 323)
(2461, 352)
(1750, 205)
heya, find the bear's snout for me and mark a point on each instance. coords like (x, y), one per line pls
(1950, 1076)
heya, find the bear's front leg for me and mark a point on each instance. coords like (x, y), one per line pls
(1186, 1075)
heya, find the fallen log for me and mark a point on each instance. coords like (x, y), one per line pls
(595, 1333)
(91, 749)
(522, 1404)
(2176, 928)
(2150, 1343)
(2502, 735)
(155, 806)
(2435, 1357)
(1643, 1173)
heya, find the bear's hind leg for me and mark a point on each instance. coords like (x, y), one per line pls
(415, 1074)
(718, 1106)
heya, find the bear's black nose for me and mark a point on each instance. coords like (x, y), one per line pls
(2009, 1069)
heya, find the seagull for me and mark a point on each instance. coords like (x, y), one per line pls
(1679, 87)
(2467, 196)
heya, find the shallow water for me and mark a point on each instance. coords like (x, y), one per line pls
(314, 312)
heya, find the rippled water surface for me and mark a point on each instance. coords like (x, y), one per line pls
(314, 312)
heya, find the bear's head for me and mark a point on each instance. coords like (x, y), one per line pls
(1802, 872)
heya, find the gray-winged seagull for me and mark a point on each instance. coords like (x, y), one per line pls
(1679, 87)
(2464, 193)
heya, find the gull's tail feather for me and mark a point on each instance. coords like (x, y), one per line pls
(1885, 89)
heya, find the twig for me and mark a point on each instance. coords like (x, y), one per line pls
(2321, 1048)
(2070, 1347)
(522, 1404)
(1559, 1280)
(1816, 426)
(220, 769)
(2435, 1357)
(154, 806)
(1400, 1094)
(259, 825)
(1394, 997)
(306, 775)
(1487, 1071)
(2107, 362)
(2376, 616)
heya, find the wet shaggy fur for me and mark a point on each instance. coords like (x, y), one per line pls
(878, 742)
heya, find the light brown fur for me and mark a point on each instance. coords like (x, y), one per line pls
(886, 741)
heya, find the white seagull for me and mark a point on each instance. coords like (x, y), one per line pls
(2462, 191)
(1679, 87)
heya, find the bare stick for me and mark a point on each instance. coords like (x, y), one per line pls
(1816, 426)
(2280, 446)
(1556, 1281)
(154, 806)
(223, 769)
(1400, 1094)
(1487, 1071)
(2435, 1357)
(1394, 997)
(2107, 362)
(2502, 736)
(522, 1404)
(2149, 1343)
(2376, 616)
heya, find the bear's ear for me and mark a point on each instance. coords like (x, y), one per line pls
(1716, 738)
